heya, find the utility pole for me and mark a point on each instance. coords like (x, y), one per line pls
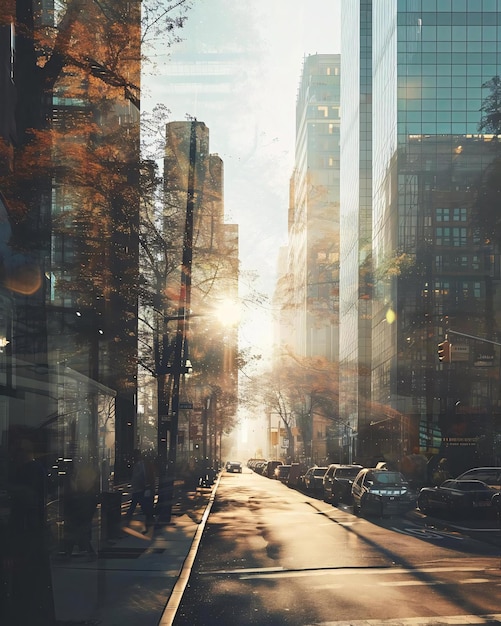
(180, 357)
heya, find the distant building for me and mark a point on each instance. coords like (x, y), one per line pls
(195, 176)
(312, 285)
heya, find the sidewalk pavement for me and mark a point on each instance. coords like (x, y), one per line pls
(137, 578)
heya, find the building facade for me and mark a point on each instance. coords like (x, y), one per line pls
(200, 294)
(355, 304)
(314, 211)
(434, 270)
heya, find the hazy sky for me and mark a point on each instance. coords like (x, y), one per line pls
(238, 70)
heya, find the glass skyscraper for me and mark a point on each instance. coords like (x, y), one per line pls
(434, 273)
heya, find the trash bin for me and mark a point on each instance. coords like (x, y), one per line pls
(111, 513)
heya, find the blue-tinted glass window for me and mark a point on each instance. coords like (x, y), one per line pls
(414, 116)
(474, 32)
(489, 33)
(490, 5)
(458, 46)
(443, 93)
(443, 32)
(473, 46)
(429, 46)
(459, 33)
(429, 33)
(489, 46)
(474, 19)
(444, 105)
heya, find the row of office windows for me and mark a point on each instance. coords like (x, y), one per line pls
(443, 18)
(455, 214)
(452, 69)
(473, 6)
(457, 262)
(455, 237)
(463, 289)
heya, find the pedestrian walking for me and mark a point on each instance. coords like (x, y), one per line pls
(80, 503)
(143, 488)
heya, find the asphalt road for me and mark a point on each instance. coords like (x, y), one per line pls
(272, 556)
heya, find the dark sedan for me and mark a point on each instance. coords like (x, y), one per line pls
(234, 466)
(313, 479)
(456, 497)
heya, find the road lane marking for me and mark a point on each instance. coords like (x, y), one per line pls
(425, 533)
(435, 620)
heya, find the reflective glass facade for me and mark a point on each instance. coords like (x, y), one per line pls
(433, 271)
(314, 214)
(356, 217)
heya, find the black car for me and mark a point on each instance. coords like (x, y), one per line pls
(313, 479)
(282, 473)
(337, 482)
(381, 492)
(234, 466)
(460, 498)
(489, 475)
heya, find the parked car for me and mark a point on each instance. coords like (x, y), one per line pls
(337, 482)
(296, 474)
(259, 467)
(458, 497)
(269, 468)
(381, 492)
(282, 473)
(489, 475)
(313, 479)
(234, 466)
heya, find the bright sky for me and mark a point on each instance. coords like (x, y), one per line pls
(238, 70)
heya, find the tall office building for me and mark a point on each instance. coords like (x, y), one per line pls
(312, 292)
(194, 179)
(434, 272)
(355, 302)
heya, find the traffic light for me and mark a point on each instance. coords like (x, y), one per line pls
(444, 352)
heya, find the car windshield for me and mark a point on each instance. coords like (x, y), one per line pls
(320, 471)
(386, 478)
(347, 472)
(489, 476)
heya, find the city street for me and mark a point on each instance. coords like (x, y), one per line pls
(271, 555)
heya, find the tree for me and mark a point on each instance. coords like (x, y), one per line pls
(490, 122)
(298, 388)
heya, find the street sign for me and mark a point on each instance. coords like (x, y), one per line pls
(460, 352)
(186, 405)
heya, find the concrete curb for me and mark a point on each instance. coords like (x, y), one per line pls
(172, 606)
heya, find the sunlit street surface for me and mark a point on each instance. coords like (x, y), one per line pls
(271, 555)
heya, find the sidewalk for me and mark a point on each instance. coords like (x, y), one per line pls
(133, 578)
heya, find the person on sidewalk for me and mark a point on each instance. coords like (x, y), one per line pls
(80, 504)
(143, 489)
